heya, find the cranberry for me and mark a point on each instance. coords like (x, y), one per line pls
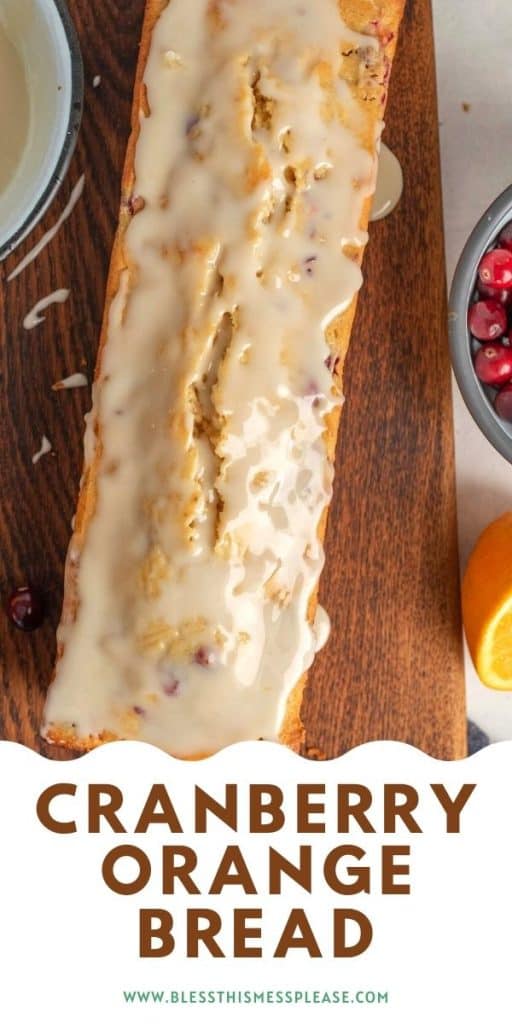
(332, 362)
(134, 204)
(311, 390)
(496, 268)
(138, 710)
(170, 685)
(204, 656)
(486, 291)
(171, 688)
(487, 320)
(25, 608)
(505, 239)
(493, 363)
(503, 403)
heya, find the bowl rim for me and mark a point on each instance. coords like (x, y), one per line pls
(498, 214)
(76, 104)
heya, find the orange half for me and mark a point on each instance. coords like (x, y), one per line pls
(487, 604)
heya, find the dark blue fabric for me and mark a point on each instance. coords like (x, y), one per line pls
(477, 739)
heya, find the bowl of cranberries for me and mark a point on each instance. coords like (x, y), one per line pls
(480, 322)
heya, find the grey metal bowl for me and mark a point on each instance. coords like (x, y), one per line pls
(477, 396)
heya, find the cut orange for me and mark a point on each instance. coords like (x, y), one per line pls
(487, 604)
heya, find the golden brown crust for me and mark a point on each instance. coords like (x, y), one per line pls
(384, 17)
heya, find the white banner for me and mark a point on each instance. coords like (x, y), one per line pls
(136, 887)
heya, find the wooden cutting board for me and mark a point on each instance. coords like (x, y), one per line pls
(393, 667)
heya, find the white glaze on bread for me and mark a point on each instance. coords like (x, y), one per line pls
(200, 557)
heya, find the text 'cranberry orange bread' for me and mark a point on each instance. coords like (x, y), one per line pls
(190, 613)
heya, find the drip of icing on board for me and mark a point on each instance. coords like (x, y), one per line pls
(390, 185)
(34, 318)
(50, 234)
(75, 380)
(45, 449)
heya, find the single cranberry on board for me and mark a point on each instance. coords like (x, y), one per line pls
(503, 403)
(496, 268)
(493, 363)
(25, 608)
(487, 320)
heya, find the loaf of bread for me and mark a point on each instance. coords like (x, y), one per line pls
(190, 616)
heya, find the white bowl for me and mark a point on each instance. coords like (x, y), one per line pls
(45, 38)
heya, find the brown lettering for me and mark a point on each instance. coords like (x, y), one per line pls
(233, 858)
(242, 933)
(43, 808)
(349, 808)
(161, 930)
(205, 804)
(361, 875)
(454, 807)
(390, 870)
(297, 922)
(341, 947)
(306, 807)
(393, 810)
(270, 807)
(110, 862)
(107, 810)
(158, 810)
(171, 870)
(206, 934)
(279, 865)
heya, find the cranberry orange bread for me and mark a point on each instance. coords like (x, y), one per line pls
(190, 614)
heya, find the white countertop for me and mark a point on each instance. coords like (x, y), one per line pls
(474, 66)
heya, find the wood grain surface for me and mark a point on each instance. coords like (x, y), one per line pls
(393, 667)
